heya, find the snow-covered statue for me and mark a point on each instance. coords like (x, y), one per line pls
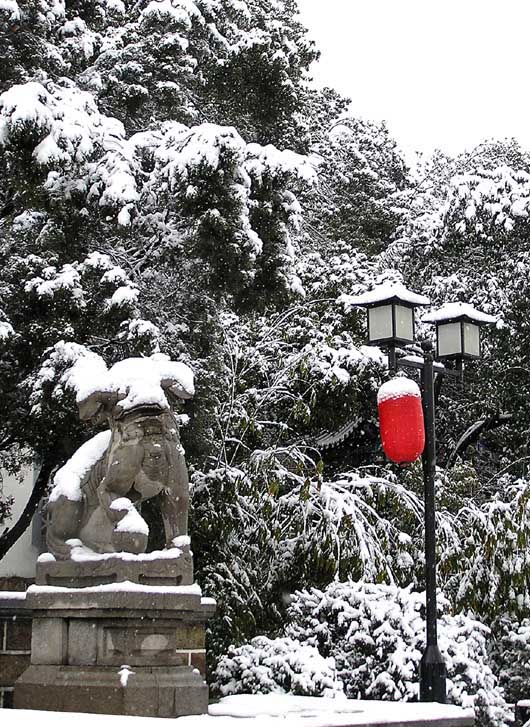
(92, 503)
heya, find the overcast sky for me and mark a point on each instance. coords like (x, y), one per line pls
(442, 73)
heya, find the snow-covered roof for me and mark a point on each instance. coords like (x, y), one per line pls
(383, 293)
(450, 311)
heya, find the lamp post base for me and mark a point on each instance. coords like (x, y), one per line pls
(432, 676)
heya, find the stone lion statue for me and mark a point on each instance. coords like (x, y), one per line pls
(93, 499)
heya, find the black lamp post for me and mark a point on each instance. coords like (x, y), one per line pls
(458, 338)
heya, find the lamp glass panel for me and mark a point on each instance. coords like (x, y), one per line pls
(404, 324)
(380, 322)
(471, 339)
(449, 339)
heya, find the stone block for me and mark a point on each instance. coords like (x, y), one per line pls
(68, 689)
(208, 607)
(190, 693)
(147, 641)
(127, 643)
(120, 597)
(145, 569)
(82, 642)
(83, 637)
(166, 699)
(192, 698)
(155, 692)
(49, 641)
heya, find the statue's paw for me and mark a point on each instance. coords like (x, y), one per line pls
(65, 517)
(131, 532)
(126, 542)
(120, 508)
(180, 541)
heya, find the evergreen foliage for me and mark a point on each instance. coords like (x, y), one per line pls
(170, 180)
(373, 637)
(510, 654)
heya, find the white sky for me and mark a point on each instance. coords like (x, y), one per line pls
(442, 73)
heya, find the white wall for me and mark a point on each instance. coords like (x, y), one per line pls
(20, 560)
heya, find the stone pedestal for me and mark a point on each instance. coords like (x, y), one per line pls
(120, 647)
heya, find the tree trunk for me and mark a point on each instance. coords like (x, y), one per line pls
(10, 536)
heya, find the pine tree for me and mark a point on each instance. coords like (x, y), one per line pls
(466, 239)
(113, 149)
(170, 180)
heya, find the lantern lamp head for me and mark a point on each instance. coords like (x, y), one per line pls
(390, 313)
(458, 330)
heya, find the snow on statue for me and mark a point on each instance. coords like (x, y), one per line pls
(139, 457)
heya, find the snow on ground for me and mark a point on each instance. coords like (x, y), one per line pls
(260, 710)
(322, 709)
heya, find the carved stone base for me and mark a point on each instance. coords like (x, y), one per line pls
(154, 692)
(121, 648)
(163, 568)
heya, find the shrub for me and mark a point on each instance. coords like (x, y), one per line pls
(276, 665)
(510, 656)
(369, 638)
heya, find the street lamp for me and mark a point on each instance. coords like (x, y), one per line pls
(458, 337)
(390, 316)
(458, 330)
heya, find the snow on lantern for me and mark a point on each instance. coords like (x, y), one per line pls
(390, 317)
(401, 420)
(390, 313)
(458, 330)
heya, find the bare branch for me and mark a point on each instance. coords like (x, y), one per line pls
(474, 433)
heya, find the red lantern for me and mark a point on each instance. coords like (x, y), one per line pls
(401, 420)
